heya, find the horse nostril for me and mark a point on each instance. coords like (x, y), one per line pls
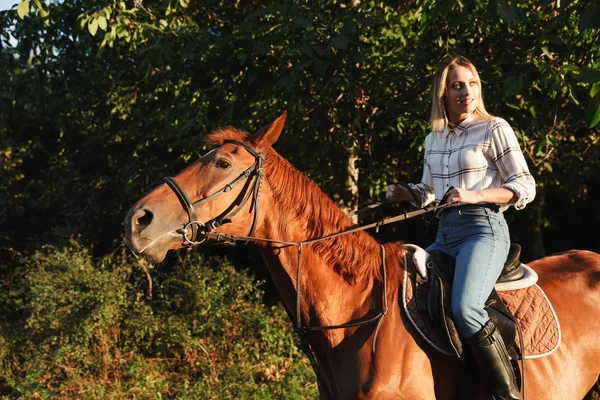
(142, 219)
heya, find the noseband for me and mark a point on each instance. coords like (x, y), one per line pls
(253, 177)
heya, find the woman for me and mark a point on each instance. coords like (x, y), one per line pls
(473, 159)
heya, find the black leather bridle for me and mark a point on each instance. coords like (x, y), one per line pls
(252, 176)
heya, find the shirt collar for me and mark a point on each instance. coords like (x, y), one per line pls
(460, 128)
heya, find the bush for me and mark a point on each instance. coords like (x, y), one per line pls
(116, 327)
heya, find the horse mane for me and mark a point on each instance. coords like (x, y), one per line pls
(356, 256)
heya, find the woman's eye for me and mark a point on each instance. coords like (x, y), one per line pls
(222, 164)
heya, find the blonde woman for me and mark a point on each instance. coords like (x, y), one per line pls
(475, 160)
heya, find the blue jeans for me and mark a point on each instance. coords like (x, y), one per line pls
(478, 238)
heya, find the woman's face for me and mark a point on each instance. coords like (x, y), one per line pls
(462, 93)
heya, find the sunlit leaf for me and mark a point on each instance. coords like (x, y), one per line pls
(102, 22)
(93, 26)
(23, 9)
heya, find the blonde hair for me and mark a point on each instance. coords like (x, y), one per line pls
(439, 114)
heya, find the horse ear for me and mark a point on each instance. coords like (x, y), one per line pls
(269, 134)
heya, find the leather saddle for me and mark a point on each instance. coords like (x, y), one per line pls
(433, 299)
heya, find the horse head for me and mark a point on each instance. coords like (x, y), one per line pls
(221, 191)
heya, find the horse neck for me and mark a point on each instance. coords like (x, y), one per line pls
(340, 277)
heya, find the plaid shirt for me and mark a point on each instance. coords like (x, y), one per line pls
(478, 154)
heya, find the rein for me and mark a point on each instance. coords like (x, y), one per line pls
(253, 176)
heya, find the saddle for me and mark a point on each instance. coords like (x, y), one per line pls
(433, 299)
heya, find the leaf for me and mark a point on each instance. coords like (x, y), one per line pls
(350, 28)
(589, 75)
(102, 22)
(507, 13)
(340, 42)
(595, 89)
(93, 26)
(260, 48)
(286, 83)
(546, 52)
(184, 3)
(540, 147)
(512, 85)
(592, 114)
(301, 22)
(589, 18)
(23, 9)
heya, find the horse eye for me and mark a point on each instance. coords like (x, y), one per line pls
(222, 164)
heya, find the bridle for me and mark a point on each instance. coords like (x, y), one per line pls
(252, 176)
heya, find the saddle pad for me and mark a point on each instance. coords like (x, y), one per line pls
(531, 307)
(536, 317)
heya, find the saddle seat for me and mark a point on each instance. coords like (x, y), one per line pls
(513, 269)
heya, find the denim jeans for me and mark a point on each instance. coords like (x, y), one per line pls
(478, 238)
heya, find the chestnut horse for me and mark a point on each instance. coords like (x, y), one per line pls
(247, 189)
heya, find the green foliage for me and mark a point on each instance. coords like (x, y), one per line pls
(77, 327)
(100, 99)
(109, 96)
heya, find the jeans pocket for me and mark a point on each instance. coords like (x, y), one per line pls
(473, 212)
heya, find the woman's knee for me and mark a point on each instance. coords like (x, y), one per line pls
(468, 317)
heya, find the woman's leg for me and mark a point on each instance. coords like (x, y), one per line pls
(479, 261)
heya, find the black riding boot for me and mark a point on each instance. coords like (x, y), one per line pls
(492, 360)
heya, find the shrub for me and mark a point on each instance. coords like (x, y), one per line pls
(117, 327)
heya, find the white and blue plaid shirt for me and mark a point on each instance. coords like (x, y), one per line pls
(478, 154)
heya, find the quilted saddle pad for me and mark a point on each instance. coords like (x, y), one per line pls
(539, 324)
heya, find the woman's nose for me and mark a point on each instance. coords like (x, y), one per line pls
(470, 89)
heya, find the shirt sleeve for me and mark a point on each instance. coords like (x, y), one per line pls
(511, 164)
(424, 189)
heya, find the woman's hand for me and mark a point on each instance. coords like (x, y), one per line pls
(458, 195)
(397, 193)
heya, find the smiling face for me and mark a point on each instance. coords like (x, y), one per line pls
(462, 93)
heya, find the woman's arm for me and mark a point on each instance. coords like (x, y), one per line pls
(492, 195)
(511, 164)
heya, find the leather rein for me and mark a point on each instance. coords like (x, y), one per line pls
(253, 177)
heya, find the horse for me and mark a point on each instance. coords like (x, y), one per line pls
(349, 284)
